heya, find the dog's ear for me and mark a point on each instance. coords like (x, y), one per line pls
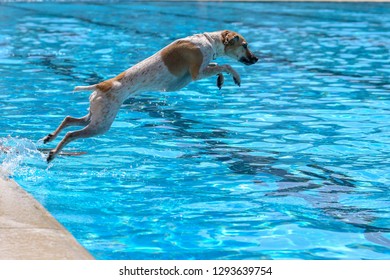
(229, 38)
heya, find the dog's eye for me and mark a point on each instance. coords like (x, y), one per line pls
(245, 45)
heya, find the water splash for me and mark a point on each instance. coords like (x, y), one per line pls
(19, 157)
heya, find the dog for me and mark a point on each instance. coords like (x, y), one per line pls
(170, 69)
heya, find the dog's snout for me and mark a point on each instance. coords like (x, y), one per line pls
(249, 60)
(253, 59)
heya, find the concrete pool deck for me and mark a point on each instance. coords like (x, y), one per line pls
(29, 232)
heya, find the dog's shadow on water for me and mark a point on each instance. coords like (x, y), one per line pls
(240, 160)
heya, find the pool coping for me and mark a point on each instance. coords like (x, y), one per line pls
(29, 232)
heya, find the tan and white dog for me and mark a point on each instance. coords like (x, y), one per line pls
(170, 69)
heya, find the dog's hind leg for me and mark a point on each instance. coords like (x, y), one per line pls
(68, 121)
(71, 136)
(102, 112)
(99, 123)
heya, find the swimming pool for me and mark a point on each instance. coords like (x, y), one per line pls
(294, 164)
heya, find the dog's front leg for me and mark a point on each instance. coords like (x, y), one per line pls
(221, 78)
(215, 69)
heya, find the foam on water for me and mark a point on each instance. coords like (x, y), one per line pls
(21, 157)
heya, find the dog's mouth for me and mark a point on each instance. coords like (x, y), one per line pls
(248, 61)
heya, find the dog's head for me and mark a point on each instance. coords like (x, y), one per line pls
(237, 47)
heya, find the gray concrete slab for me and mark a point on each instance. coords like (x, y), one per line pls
(29, 232)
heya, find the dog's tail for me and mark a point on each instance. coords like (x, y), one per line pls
(84, 88)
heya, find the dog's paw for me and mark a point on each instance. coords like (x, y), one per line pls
(47, 139)
(220, 80)
(236, 76)
(237, 80)
(50, 157)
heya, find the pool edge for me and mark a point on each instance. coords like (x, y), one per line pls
(29, 232)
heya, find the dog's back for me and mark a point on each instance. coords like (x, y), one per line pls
(167, 70)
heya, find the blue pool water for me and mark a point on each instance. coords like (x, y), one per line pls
(294, 164)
